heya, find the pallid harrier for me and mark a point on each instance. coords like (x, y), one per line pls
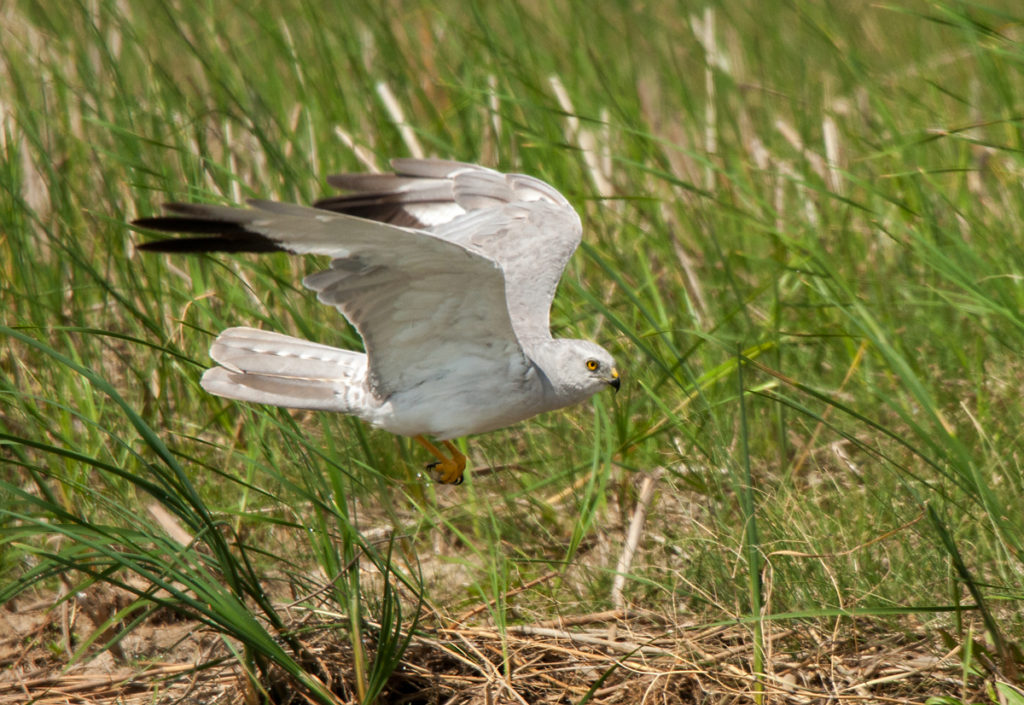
(447, 271)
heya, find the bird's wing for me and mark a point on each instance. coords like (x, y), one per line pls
(417, 195)
(522, 223)
(423, 305)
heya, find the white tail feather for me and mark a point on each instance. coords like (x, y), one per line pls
(271, 368)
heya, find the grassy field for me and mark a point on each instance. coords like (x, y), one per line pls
(803, 243)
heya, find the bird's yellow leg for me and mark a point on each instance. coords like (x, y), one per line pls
(449, 470)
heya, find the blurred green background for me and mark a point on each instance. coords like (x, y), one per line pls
(802, 243)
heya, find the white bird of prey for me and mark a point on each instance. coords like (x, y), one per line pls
(447, 270)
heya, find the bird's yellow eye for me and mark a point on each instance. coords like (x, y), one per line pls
(592, 365)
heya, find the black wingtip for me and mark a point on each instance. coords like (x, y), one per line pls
(223, 237)
(188, 245)
(179, 224)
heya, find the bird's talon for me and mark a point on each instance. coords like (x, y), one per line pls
(446, 470)
(445, 474)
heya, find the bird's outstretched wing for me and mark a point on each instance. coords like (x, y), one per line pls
(520, 222)
(422, 304)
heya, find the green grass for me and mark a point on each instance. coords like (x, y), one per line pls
(803, 244)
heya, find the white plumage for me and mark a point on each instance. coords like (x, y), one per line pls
(447, 270)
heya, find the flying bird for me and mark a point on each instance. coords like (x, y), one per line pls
(446, 270)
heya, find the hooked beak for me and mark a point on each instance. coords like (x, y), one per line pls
(615, 382)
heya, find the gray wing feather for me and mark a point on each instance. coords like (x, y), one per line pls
(522, 223)
(417, 195)
(419, 302)
(420, 311)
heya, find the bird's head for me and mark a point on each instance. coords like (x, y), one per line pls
(578, 369)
